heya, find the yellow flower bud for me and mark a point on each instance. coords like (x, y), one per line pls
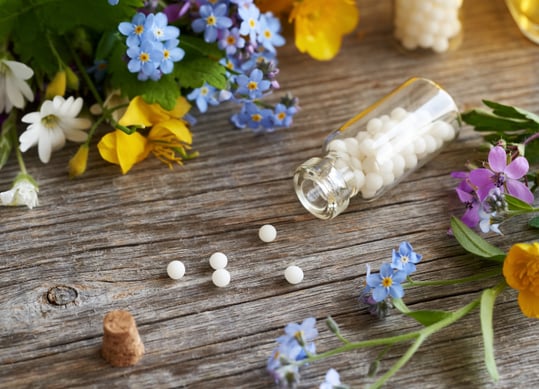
(77, 164)
(57, 86)
(72, 79)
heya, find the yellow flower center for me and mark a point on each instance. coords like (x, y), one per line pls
(144, 57)
(252, 23)
(387, 282)
(165, 149)
(256, 117)
(267, 34)
(211, 20)
(204, 91)
(252, 85)
(166, 54)
(230, 40)
(139, 29)
(281, 115)
(49, 121)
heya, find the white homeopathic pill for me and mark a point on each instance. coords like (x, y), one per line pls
(218, 260)
(176, 270)
(293, 274)
(220, 278)
(267, 233)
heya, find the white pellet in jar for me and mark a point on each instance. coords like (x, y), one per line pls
(176, 269)
(427, 24)
(392, 147)
(220, 278)
(218, 260)
(267, 233)
(293, 274)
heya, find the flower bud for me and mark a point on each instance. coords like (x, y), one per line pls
(57, 86)
(72, 79)
(77, 164)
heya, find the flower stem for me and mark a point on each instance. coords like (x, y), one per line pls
(12, 130)
(84, 75)
(531, 138)
(486, 274)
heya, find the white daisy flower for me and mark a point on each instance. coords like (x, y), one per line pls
(55, 122)
(13, 86)
(23, 192)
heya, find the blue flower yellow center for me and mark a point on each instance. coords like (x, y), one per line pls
(256, 117)
(252, 85)
(210, 20)
(387, 282)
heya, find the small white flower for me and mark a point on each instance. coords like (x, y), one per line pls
(13, 86)
(55, 122)
(23, 192)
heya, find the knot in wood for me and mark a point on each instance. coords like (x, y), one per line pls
(62, 295)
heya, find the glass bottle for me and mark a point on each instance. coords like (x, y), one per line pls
(376, 149)
(526, 15)
(428, 24)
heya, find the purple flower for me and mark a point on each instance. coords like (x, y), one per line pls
(386, 283)
(231, 41)
(501, 175)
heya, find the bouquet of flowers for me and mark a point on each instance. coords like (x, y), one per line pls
(68, 68)
(492, 192)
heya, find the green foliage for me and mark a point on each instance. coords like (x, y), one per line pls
(473, 243)
(512, 124)
(488, 298)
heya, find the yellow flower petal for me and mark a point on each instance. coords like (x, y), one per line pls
(529, 303)
(174, 127)
(321, 24)
(140, 113)
(122, 149)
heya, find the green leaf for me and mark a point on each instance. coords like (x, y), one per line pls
(510, 111)
(534, 222)
(428, 317)
(516, 204)
(399, 304)
(488, 297)
(192, 73)
(195, 46)
(485, 121)
(473, 243)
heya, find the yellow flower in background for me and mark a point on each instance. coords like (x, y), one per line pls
(168, 139)
(57, 86)
(321, 24)
(521, 271)
(278, 7)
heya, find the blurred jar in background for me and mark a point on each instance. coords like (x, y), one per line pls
(526, 15)
(432, 25)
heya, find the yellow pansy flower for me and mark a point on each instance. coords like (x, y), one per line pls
(320, 25)
(521, 271)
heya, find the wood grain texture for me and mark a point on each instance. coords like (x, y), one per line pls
(108, 238)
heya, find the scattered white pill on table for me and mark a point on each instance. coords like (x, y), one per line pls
(218, 260)
(267, 233)
(176, 270)
(220, 278)
(293, 274)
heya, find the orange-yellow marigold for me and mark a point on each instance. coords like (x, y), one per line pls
(320, 25)
(521, 271)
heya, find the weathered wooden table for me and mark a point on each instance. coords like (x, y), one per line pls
(103, 242)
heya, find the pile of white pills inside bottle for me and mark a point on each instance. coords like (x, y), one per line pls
(427, 24)
(393, 144)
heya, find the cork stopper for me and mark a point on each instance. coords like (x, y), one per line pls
(121, 342)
